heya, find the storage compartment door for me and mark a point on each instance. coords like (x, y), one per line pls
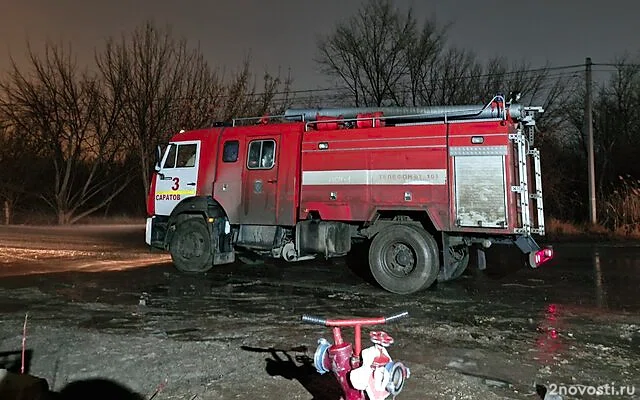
(480, 195)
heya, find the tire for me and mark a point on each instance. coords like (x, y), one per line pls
(404, 259)
(190, 247)
(459, 265)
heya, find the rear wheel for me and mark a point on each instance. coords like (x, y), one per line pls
(404, 259)
(190, 246)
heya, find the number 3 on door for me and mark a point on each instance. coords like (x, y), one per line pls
(176, 182)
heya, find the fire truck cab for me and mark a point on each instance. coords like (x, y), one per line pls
(423, 185)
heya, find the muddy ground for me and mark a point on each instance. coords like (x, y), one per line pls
(101, 305)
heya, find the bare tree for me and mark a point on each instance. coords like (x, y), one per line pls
(386, 57)
(616, 126)
(15, 168)
(170, 87)
(157, 72)
(200, 94)
(60, 108)
(617, 122)
(452, 77)
(244, 98)
(423, 50)
(374, 51)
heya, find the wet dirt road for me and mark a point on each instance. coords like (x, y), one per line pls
(101, 305)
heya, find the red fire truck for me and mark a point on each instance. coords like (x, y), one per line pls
(423, 185)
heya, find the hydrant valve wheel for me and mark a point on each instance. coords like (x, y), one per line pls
(382, 338)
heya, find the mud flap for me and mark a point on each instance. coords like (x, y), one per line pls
(526, 244)
(224, 258)
(221, 241)
(531, 249)
(156, 231)
(449, 266)
(482, 259)
(147, 230)
(456, 253)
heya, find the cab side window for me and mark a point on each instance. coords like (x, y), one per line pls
(261, 154)
(186, 156)
(230, 151)
(181, 156)
(170, 161)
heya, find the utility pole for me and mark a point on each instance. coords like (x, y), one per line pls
(588, 120)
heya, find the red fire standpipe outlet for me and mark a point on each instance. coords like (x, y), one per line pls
(362, 374)
(340, 357)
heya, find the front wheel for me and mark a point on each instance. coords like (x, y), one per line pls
(190, 247)
(404, 259)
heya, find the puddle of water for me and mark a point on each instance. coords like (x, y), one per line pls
(599, 279)
(603, 277)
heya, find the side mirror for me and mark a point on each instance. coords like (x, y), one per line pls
(158, 158)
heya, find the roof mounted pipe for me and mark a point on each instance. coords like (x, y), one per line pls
(494, 109)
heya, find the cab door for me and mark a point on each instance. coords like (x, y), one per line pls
(260, 189)
(178, 176)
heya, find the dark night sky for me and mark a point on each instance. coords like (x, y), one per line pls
(282, 32)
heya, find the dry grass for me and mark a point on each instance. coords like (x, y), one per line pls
(621, 208)
(618, 216)
(557, 229)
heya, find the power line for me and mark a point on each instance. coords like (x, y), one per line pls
(346, 89)
(617, 65)
(561, 71)
(406, 90)
(464, 77)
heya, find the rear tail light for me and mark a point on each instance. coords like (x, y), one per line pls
(542, 256)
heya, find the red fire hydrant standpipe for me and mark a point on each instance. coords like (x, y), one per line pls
(363, 374)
